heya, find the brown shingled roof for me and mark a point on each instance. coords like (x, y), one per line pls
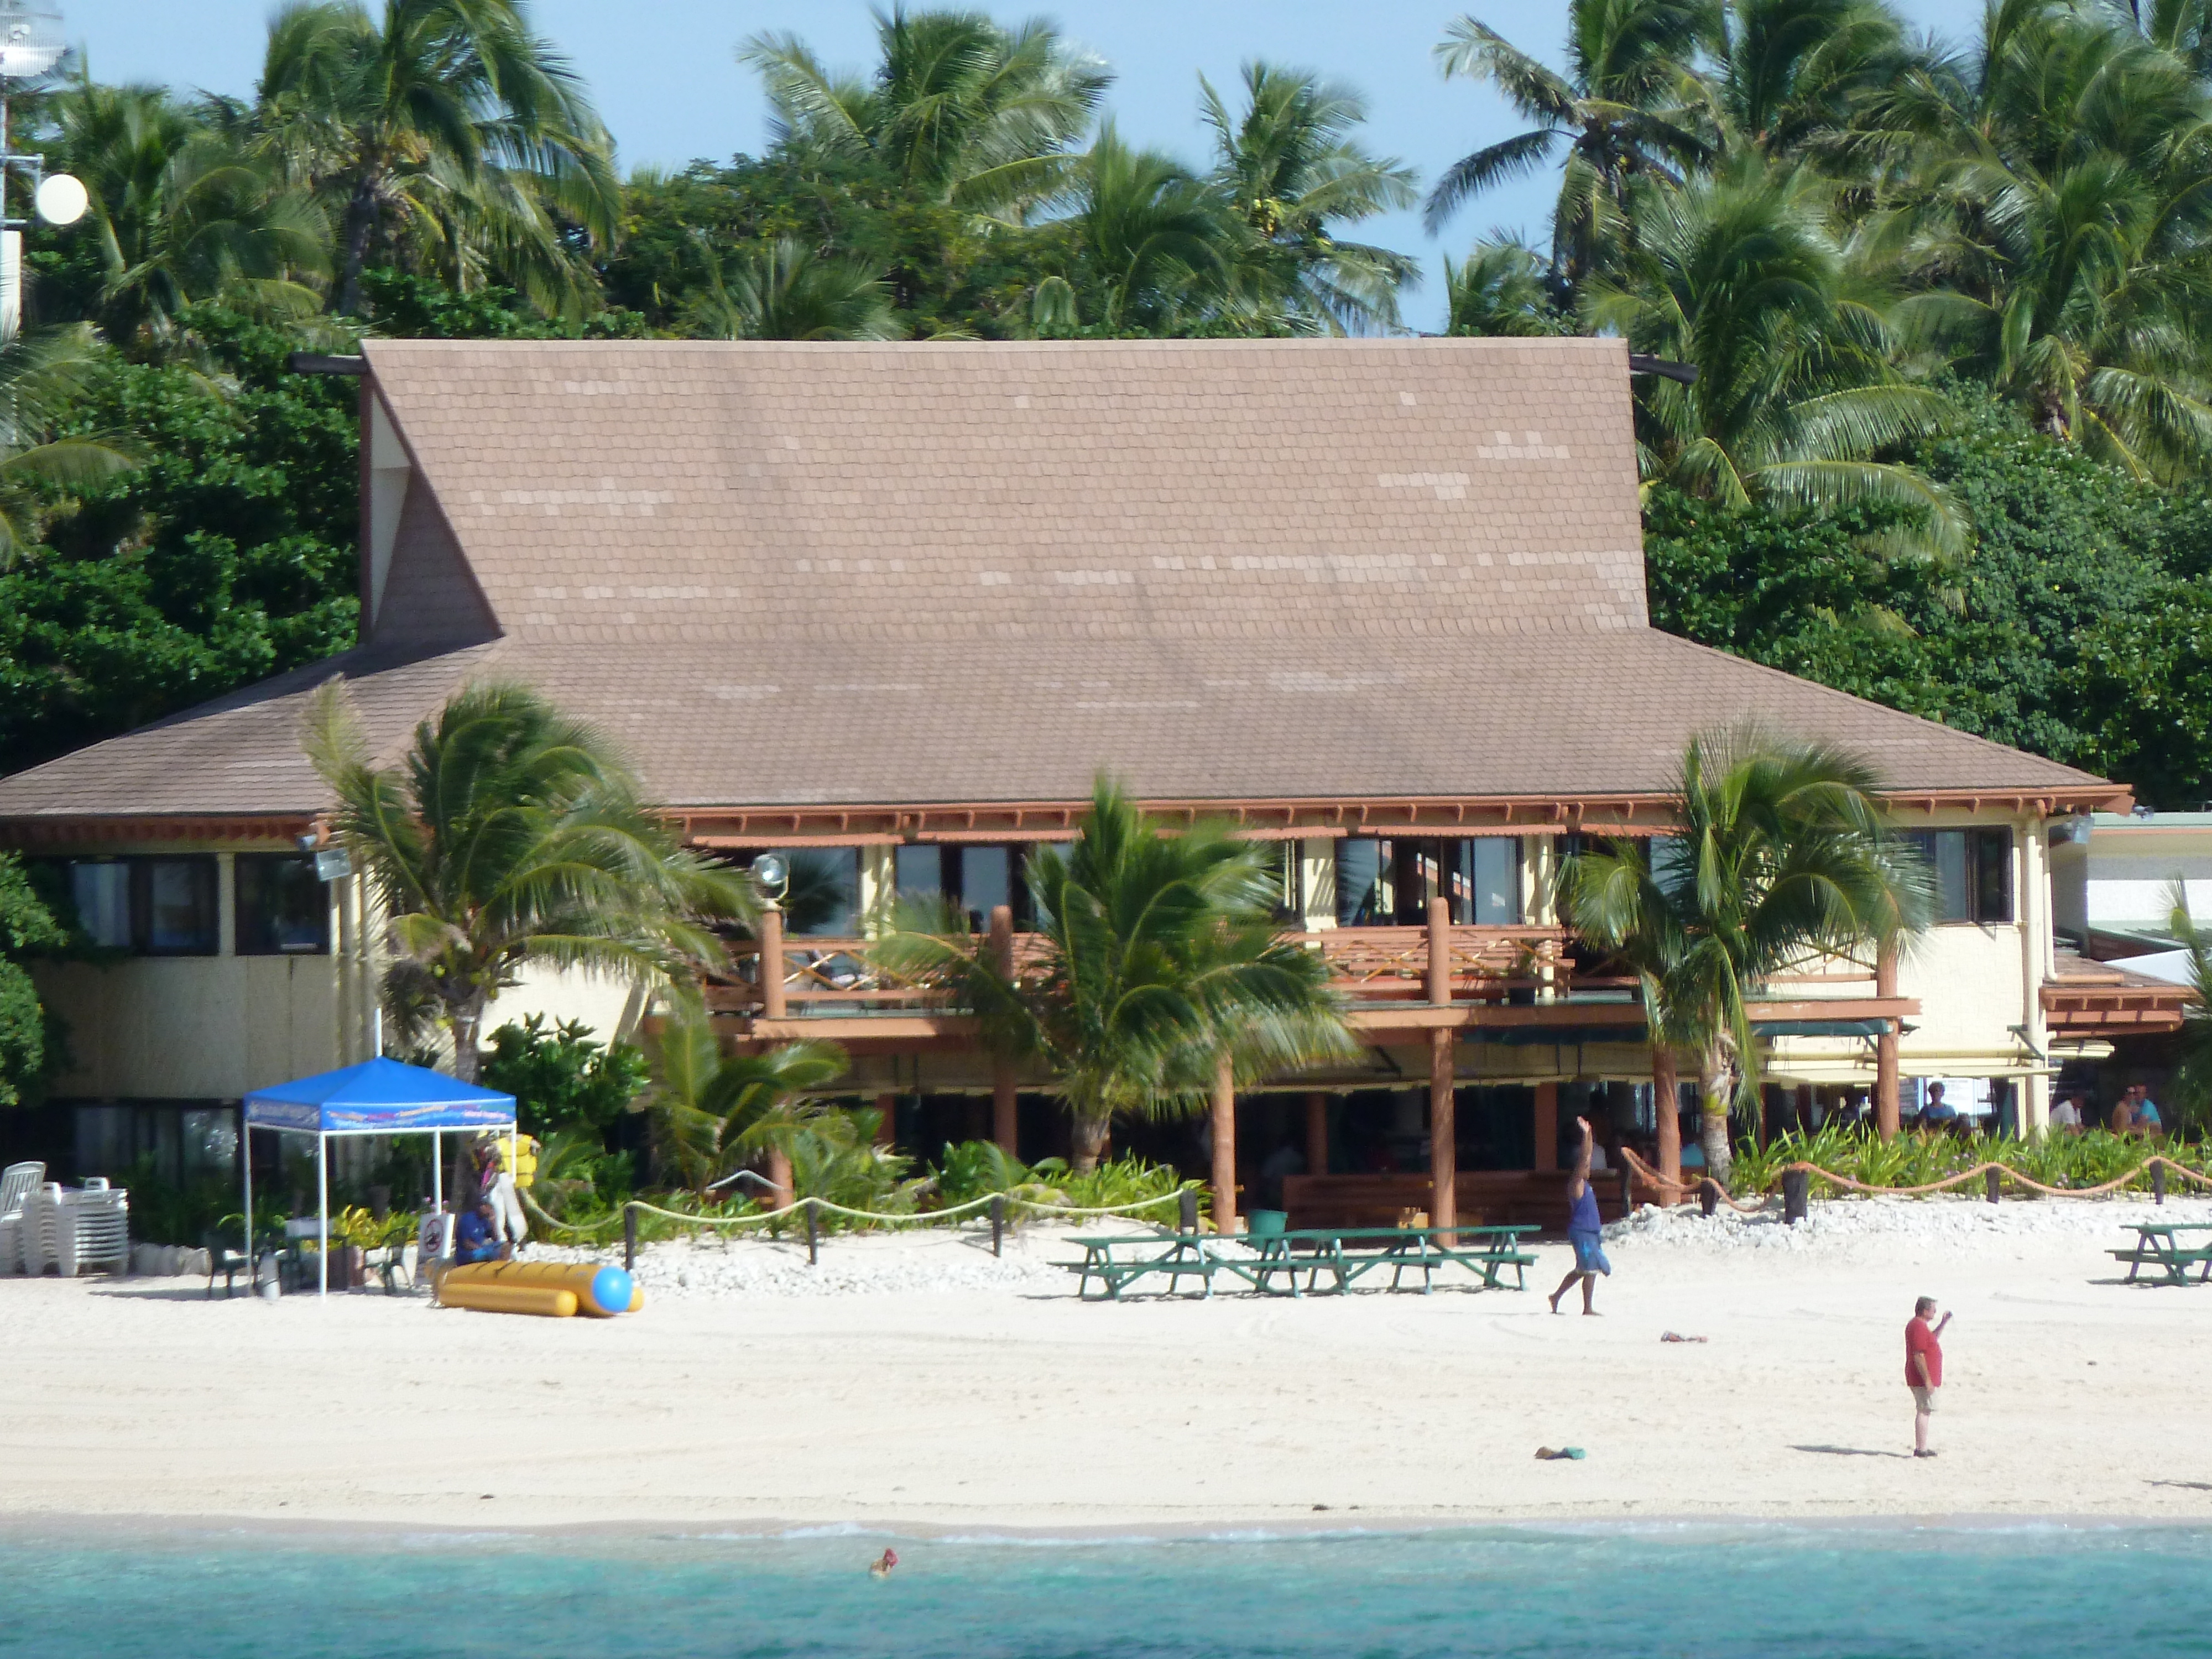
(815, 574)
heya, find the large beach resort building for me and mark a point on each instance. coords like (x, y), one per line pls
(890, 609)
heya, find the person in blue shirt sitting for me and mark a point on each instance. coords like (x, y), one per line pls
(477, 1239)
(1939, 1113)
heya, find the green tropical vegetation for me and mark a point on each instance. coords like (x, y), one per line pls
(563, 1079)
(511, 834)
(1161, 959)
(2068, 1161)
(29, 1045)
(1781, 857)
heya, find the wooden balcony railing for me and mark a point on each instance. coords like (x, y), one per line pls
(836, 977)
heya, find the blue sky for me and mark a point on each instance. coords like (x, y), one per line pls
(667, 82)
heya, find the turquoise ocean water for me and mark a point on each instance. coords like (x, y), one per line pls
(1811, 1593)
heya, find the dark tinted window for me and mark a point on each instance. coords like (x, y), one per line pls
(283, 908)
(162, 907)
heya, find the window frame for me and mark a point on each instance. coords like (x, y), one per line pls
(240, 932)
(139, 900)
(1986, 858)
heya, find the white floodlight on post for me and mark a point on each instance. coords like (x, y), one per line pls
(32, 47)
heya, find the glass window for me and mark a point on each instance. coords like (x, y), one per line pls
(987, 881)
(1972, 870)
(824, 891)
(102, 894)
(918, 870)
(1992, 863)
(1285, 881)
(283, 908)
(1495, 864)
(179, 911)
(1362, 883)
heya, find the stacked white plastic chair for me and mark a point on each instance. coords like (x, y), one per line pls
(17, 1182)
(94, 1229)
(71, 1230)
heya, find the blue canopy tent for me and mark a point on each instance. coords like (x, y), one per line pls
(379, 1097)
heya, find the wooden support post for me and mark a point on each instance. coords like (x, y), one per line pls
(771, 963)
(1317, 1134)
(1006, 1113)
(1443, 1134)
(1224, 1148)
(1885, 1052)
(1440, 952)
(1547, 1126)
(886, 1119)
(1667, 1110)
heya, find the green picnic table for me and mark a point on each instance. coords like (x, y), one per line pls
(1119, 1262)
(1342, 1255)
(2157, 1246)
(1346, 1254)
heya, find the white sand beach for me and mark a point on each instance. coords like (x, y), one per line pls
(914, 1381)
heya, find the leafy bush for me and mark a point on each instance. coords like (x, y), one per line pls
(164, 1211)
(975, 1168)
(563, 1080)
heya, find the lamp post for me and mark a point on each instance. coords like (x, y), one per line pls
(31, 45)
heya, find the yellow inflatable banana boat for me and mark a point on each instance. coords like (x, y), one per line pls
(554, 1289)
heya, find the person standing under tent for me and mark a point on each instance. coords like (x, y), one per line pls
(1585, 1232)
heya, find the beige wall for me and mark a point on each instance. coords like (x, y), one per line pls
(193, 1028)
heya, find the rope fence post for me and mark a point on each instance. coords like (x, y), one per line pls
(629, 1238)
(1186, 1211)
(2158, 1184)
(1796, 1195)
(1708, 1196)
(813, 1255)
(1995, 1179)
(998, 1220)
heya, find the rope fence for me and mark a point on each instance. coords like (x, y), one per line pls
(1991, 1174)
(999, 1206)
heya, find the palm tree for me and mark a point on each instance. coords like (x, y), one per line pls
(449, 129)
(1795, 394)
(511, 836)
(2192, 1072)
(42, 373)
(1501, 290)
(2057, 232)
(1791, 76)
(709, 1111)
(787, 291)
(182, 211)
(1782, 855)
(1625, 109)
(1291, 172)
(960, 111)
(1153, 242)
(1160, 956)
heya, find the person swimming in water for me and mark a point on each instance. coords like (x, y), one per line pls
(1584, 1230)
(882, 1565)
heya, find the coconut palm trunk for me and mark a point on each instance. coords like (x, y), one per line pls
(1713, 1080)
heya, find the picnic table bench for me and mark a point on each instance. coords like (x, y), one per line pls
(1342, 1255)
(2157, 1246)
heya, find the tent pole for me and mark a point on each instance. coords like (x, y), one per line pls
(246, 1156)
(437, 1173)
(323, 1210)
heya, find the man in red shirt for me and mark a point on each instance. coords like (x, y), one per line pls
(1923, 1368)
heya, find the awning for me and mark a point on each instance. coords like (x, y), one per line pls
(378, 1096)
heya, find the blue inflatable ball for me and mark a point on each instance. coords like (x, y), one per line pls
(612, 1290)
